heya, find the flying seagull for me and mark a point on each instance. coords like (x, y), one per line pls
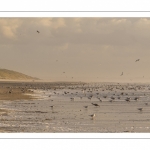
(121, 74)
(38, 31)
(137, 60)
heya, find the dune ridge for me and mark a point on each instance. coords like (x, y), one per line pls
(13, 75)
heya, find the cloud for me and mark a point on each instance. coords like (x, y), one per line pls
(8, 27)
(83, 42)
(53, 23)
(7, 32)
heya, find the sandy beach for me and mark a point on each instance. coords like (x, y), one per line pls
(67, 107)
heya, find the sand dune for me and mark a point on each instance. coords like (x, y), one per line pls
(13, 75)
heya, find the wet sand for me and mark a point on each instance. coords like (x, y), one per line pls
(60, 107)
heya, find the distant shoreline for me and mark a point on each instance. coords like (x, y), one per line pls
(78, 82)
(22, 90)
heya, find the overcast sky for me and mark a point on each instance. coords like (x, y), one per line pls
(86, 49)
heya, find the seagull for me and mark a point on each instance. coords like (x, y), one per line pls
(92, 116)
(85, 106)
(136, 98)
(38, 31)
(52, 106)
(90, 97)
(140, 109)
(128, 99)
(99, 99)
(111, 100)
(95, 104)
(72, 99)
(121, 74)
(137, 60)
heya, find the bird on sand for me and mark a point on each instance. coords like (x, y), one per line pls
(85, 106)
(137, 60)
(38, 31)
(99, 99)
(136, 98)
(121, 74)
(93, 115)
(140, 109)
(111, 100)
(128, 99)
(95, 104)
(52, 106)
(72, 99)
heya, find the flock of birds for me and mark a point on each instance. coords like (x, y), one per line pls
(99, 92)
(127, 99)
(96, 92)
(92, 96)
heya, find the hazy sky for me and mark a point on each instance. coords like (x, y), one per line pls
(87, 49)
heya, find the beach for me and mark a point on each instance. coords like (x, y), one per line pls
(66, 107)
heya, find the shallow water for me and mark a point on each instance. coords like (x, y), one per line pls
(69, 115)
